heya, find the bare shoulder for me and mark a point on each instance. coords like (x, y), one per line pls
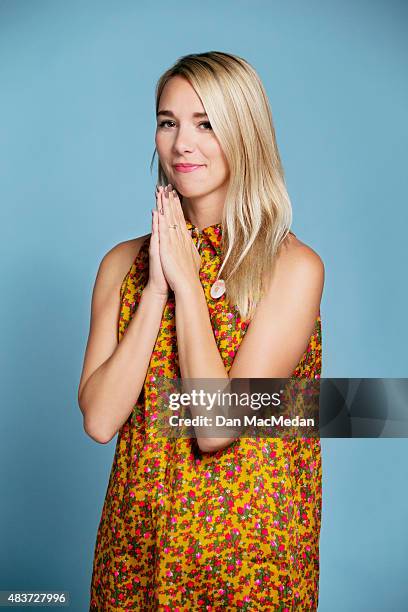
(297, 265)
(285, 317)
(294, 250)
(117, 261)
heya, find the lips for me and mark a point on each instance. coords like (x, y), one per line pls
(187, 167)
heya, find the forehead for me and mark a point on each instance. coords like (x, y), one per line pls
(178, 95)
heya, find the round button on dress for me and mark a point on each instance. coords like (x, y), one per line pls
(183, 530)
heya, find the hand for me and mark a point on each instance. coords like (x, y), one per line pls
(179, 257)
(157, 281)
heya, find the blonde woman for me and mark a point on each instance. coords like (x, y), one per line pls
(220, 289)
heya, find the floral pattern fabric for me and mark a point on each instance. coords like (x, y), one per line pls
(236, 529)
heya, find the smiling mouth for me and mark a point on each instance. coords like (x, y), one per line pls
(187, 167)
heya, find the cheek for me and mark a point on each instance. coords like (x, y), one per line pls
(218, 159)
(162, 148)
(159, 143)
(215, 153)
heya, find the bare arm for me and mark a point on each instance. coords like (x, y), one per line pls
(199, 356)
(114, 373)
(198, 352)
(279, 331)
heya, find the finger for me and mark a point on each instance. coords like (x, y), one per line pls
(181, 221)
(166, 208)
(158, 199)
(157, 213)
(174, 218)
(163, 218)
(160, 209)
(155, 234)
(154, 224)
(157, 227)
(179, 215)
(171, 232)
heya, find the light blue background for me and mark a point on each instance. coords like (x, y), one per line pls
(77, 127)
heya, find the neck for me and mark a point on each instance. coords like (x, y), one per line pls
(204, 211)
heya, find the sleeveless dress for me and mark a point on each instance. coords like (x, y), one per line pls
(236, 529)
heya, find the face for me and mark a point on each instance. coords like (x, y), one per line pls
(184, 136)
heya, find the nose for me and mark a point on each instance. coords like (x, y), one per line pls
(183, 140)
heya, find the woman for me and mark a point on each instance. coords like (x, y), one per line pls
(206, 523)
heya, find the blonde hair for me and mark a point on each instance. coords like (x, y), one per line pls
(257, 212)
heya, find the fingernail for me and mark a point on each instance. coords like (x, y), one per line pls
(174, 193)
(166, 194)
(169, 187)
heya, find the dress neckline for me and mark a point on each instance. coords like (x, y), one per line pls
(212, 234)
(191, 225)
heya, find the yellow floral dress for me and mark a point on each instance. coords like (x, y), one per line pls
(237, 529)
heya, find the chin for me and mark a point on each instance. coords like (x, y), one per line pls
(192, 193)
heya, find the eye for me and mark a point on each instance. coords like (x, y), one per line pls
(162, 123)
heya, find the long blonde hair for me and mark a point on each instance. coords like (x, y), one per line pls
(257, 213)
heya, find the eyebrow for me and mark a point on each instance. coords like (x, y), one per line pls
(169, 113)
